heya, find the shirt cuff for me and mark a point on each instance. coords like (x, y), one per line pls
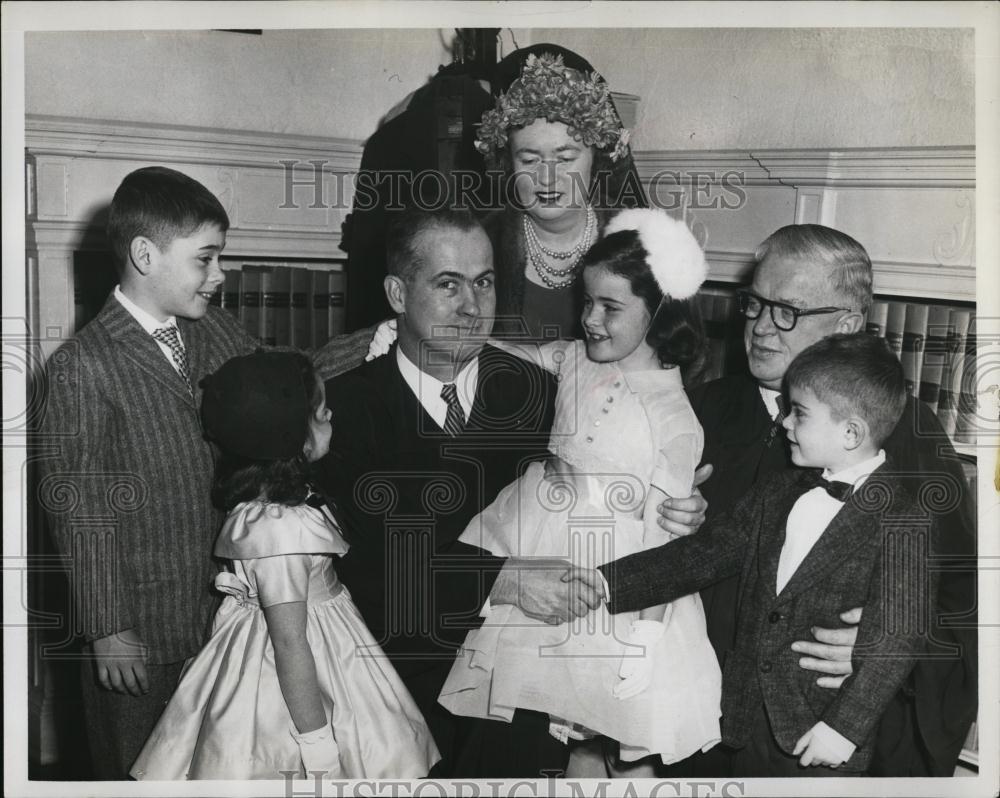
(605, 589)
(485, 611)
(834, 741)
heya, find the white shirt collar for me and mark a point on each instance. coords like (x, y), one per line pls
(427, 389)
(770, 398)
(148, 322)
(857, 473)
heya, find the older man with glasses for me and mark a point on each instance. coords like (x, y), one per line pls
(812, 281)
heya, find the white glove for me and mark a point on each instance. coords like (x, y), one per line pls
(385, 336)
(636, 670)
(319, 751)
(564, 731)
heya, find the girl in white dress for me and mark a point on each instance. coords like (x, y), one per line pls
(624, 438)
(291, 679)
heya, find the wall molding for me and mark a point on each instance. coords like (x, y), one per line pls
(909, 167)
(97, 138)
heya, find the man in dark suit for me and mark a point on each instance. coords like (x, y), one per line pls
(811, 281)
(424, 438)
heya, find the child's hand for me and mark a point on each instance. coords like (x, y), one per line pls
(121, 662)
(636, 670)
(319, 751)
(823, 745)
(385, 335)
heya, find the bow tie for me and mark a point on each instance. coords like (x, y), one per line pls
(841, 491)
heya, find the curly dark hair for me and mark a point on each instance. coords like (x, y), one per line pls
(676, 331)
(239, 479)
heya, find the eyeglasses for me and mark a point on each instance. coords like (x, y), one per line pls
(783, 315)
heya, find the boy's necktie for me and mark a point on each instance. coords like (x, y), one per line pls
(172, 339)
(454, 422)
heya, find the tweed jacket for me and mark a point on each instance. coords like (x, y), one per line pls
(405, 491)
(126, 482)
(739, 443)
(872, 554)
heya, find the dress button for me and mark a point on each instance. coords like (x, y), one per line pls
(590, 439)
(774, 617)
(765, 667)
(611, 399)
(604, 410)
(597, 423)
(618, 384)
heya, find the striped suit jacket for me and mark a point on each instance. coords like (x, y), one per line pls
(126, 481)
(125, 474)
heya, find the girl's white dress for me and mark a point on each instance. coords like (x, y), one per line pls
(227, 718)
(613, 435)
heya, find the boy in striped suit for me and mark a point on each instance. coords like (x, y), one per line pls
(126, 483)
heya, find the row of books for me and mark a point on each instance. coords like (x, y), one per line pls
(285, 305)
(935, 343)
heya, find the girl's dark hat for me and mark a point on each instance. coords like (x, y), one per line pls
(258, 406)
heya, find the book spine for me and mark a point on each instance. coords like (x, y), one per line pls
(894, 323)
(320, 308)
(951, 378)
(301, 320)
(966, 424)
(231, 291)
(268, 307)
(250, 299)
(338, 303)
(914, 334)
(715, 335)
(935, 352)
(282, 286)
(877, 318)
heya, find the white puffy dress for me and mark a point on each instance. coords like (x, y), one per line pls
(613, 435)
(228, 720)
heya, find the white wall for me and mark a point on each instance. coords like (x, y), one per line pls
(700, 89)
(791, 88)
(334, 83)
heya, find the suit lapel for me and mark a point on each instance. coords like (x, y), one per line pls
(772, 536)
(137, 346)
(848, 531)
(408, 415)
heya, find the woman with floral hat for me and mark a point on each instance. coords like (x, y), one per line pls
(558, 141)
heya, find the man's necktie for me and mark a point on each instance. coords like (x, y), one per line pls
(841, 491)
(454, 422)
(172, 339)
(776, 424)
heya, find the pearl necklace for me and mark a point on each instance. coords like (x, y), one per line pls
(550, 275)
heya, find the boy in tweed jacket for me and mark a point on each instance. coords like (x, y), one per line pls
(126, 486)
(808, 546)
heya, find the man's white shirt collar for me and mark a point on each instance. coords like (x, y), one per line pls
(770, 398)
(427, 389)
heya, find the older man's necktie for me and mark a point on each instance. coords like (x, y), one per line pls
(454, 422)
(172, 339)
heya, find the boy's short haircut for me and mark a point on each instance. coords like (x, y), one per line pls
(160, 204)
(856, 374)
(402, 255)
(849, 267)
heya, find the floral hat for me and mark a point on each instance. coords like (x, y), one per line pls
(549, 90)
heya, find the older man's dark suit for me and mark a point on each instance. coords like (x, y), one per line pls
(405, 491)
(872, 554)
(927, 721)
